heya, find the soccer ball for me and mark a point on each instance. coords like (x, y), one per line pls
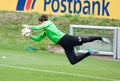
(26, 32)
(3, 57)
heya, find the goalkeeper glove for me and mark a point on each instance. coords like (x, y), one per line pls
(26, 32)
(27, 26)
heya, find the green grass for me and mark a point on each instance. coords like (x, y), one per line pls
(11, 25)
(54, 62)
(14, 47)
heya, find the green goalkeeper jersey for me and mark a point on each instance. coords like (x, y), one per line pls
(48, 29)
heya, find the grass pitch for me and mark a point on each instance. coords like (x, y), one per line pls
(46, 66)
(22, 65)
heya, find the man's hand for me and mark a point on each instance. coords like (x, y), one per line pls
(27, 32)
(27, 26)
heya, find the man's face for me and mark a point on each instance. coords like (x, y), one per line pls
(40, 22)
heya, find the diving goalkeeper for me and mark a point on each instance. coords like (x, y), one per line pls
(65, 40)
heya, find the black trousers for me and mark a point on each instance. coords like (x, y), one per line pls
(68, 42)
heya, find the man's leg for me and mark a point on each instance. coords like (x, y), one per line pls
(73, 58)
(90, 39)
(93, 38)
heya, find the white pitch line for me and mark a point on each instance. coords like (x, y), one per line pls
(56, 72)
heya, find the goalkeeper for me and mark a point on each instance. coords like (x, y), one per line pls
(66, 41)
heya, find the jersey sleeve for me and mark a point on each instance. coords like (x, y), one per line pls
(39, 37)
(38, 27)
(45, 24)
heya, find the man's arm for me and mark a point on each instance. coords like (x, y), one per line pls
(39, 37)
(38, 27)
(43, 25)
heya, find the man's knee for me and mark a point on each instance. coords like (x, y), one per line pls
(72, 61)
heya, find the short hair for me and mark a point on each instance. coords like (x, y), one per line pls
(44, 17)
